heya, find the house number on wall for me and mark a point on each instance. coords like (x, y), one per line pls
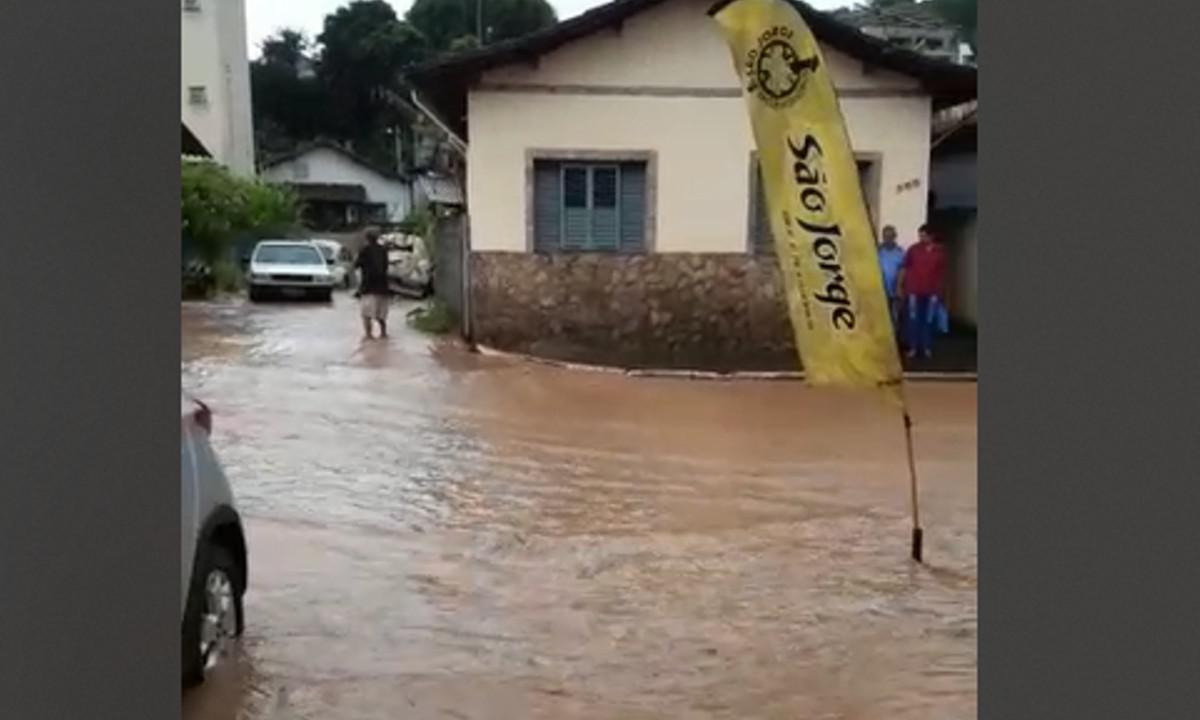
(910, 185)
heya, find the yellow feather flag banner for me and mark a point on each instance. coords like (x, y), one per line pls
(823, 235)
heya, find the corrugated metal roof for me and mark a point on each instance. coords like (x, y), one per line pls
(440, 190)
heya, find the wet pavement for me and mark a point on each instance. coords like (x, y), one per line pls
(438, 534)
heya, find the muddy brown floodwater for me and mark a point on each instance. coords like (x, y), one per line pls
(437, 534)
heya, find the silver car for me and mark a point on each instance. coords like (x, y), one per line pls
(289, 267)
(213, 562)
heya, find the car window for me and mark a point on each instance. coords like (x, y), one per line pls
(288, 255)
(327, 251)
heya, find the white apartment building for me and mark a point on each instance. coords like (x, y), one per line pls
(214, 84)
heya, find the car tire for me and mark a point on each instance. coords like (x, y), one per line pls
(214, 605)
(256, 294)
(324, 296)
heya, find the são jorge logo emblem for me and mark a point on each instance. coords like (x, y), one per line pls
(774, 70)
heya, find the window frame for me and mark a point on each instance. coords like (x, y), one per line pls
(589, 169)
(591, 159)
(198, 95)
(871, 196)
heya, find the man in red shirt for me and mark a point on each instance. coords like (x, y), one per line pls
(923, 279)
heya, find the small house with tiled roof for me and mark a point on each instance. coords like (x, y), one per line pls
(612, 187)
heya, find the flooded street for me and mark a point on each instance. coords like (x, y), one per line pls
(439, 534)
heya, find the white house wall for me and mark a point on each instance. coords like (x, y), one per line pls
(213, 55)
(702, 143)
(327, 166)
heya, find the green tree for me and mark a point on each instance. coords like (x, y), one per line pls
(348, 86)
(963, 13)
(218, 207)
(363, 49)
(507, 19)
(446, 22)
(286, 49)
(290, 105)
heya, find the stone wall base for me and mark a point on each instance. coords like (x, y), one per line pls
(699, 311)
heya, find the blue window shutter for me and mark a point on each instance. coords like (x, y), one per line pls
(605, 225)
(576, 207)
(632, 203)
(762, 241)
(547, 206)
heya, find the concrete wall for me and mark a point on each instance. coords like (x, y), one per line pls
(213, 55)
(665, 83)
(699, 311)
(322, 165)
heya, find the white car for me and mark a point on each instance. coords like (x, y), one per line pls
(213, 549)
(340, 261)
(410, 271)
(289, 267)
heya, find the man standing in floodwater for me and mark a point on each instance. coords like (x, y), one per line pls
(891, 259)
(923, 282)
(374, 295)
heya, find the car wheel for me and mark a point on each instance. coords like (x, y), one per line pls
(213, 619)
(256, 294)
(325, 295)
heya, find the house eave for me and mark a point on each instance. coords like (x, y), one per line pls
(444, 83)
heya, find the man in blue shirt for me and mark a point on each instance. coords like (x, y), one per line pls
(891, 260)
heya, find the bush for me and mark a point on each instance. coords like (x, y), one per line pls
(434, 318)
(420, 223)
(217, 207)
(227, 277)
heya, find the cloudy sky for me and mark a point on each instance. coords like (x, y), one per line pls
(264, 17)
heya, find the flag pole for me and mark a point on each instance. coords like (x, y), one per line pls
(917, 533)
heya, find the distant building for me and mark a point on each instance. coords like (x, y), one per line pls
(913, 26)
(215, 82)
(340, 190)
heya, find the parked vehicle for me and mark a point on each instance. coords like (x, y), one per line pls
(213, 545)
(340, 261)
(410, 271)
(289, 267)
(198, 280)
